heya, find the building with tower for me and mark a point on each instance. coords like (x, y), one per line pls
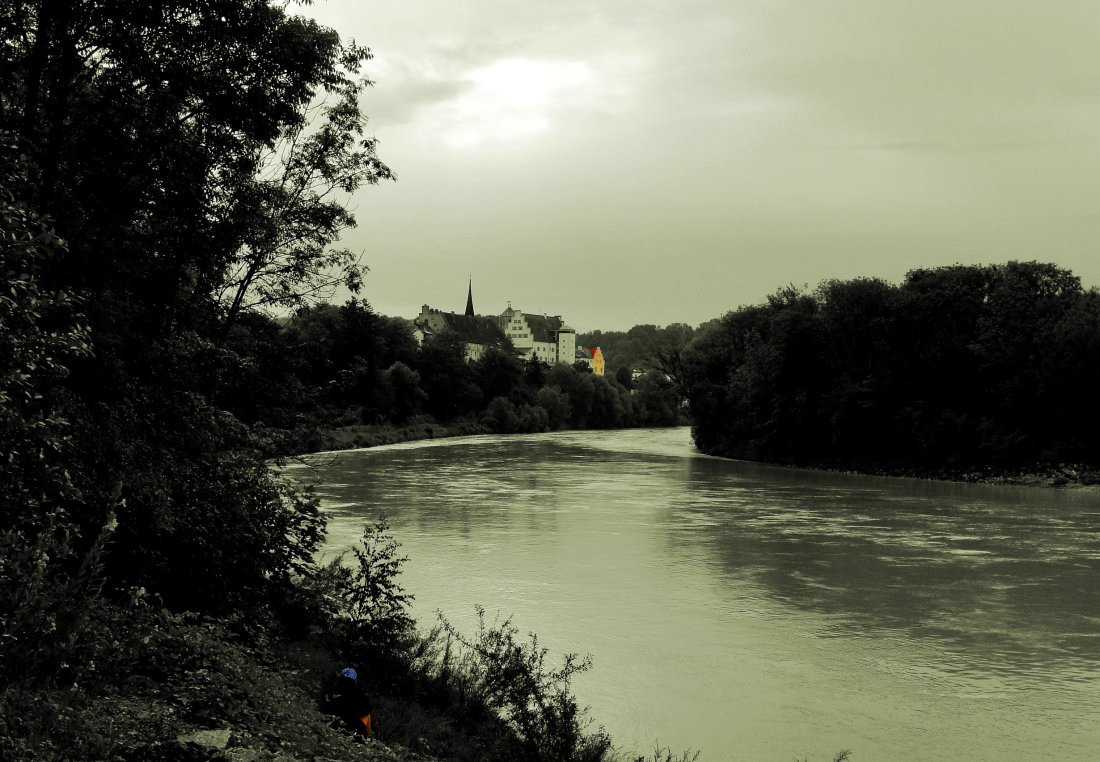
(545, 337)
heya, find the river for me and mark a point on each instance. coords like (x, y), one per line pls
(755, 612)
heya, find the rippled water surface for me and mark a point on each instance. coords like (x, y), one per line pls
(756, 612)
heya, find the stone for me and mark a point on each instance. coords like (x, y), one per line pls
(246, 755)
(213, 739)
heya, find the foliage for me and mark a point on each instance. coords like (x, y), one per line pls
(511, 677)
(373, 618)
(447, 379)
(44, 607)
(173, 140)
(347, 367)
(41, 334)
(132, 141)
(376, 601)
(406, 398)
(643, 347)
(285, 215)
(48, 577)
(957, 368)
(505, 417)
(665, 754)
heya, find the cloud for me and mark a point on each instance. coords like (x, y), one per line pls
(512, 99)
(742, 143)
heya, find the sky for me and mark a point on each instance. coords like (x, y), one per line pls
(619, 163)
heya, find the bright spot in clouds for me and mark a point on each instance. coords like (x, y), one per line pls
(511, 99)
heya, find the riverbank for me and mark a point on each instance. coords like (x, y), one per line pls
(1075, 476)
(167, 687)
(146, 684)
(324, 439)
(1048, 475)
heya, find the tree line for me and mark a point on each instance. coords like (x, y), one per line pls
(329, 366)
(957, 368)
(643, 348)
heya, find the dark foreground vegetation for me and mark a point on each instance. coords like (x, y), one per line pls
(134, 680)
(974, 372)
(167, 171)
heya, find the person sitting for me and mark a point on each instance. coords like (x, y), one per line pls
(349, 702)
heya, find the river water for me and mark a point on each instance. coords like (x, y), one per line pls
(756, 612)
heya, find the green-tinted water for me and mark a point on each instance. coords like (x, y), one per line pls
(753, 612)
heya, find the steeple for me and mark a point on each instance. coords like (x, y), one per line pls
(470, 298)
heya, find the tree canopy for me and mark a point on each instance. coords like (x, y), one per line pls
(957, 368)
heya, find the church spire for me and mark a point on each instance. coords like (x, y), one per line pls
(470, 298)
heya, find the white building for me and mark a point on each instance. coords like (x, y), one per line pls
(545, 337)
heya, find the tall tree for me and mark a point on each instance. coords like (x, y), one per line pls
(175, 149)
(295, 205)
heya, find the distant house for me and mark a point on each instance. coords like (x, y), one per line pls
(592, 357)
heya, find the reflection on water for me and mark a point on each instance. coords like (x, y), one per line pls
(1006, 577)
(759, 612)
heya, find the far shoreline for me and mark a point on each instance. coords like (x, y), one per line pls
(1067, 476)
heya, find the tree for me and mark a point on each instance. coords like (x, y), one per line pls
(287, 214)
(658, 403)
(172, 141)
(168, 143)
(624, 377)
(41, 334)
(497, 373)
(556, 404)
(957, 368)
(446, 377)
(376, 605)
(405, 393)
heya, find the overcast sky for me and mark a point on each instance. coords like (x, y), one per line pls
(620, 162)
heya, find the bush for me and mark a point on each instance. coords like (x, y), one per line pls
(511, 678)
(44, 607)
(372, 619)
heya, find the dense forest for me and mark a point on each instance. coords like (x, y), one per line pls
(170, 171)
(957, 369)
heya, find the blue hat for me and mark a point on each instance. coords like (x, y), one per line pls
(349, 673)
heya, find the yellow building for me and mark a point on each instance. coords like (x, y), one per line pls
(593, 358)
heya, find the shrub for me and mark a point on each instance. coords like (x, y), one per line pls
(513, 680)
(372, 618)
(44, 606)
